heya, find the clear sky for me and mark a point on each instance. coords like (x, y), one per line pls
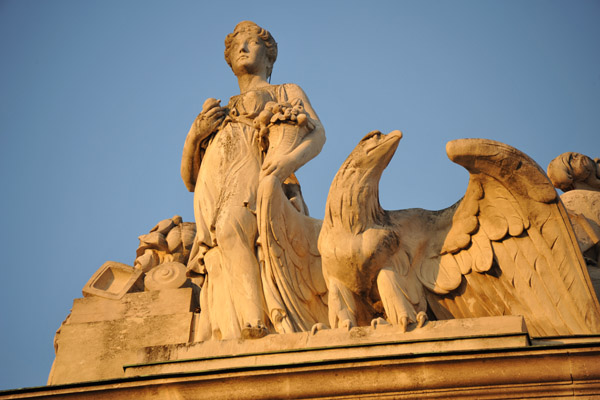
(96, 98)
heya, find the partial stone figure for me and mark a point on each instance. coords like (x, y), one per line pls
(571, 171)
(228, 154)
(579, 177)
(506, 248)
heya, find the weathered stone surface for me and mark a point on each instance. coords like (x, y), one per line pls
(584, 211)
(132, 305)
(541, 370)
(334, 344)
(102, 335)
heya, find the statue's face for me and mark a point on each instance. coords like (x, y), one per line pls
(582, 165)
(248, 54)
(586, 172)
(593, 179)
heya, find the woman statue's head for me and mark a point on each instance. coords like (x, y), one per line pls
(574, 171)
(249, 27)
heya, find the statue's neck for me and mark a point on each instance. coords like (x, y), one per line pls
(249, 82)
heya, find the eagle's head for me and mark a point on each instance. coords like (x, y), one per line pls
(374, 152)
(354, 194)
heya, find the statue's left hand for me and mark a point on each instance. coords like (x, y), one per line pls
(209, 119)
(281, 167)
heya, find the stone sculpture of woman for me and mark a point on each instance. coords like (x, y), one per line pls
(223, 164)
(578, 176)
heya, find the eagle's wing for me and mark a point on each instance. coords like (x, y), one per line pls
(513, 243)
(293, 283)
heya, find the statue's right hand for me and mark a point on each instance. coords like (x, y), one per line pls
(210, 118)
(210, 103)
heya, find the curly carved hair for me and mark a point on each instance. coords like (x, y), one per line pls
(263, 34)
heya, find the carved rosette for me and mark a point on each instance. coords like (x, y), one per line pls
(169, 275)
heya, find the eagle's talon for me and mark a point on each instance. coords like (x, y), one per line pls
(317, 327)
(421, 319)
(346, 324)
(375, 322)
(403, 323)
(254, 332)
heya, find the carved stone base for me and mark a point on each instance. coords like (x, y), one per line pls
(485, 358)
(100, 334)
(333, 345)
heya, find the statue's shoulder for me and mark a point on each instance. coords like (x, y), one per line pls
(291, 91)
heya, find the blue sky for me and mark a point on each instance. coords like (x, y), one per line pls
(96, 98)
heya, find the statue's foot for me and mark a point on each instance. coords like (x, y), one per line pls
(421, 319)
(377, 322)
(317, 327)
(254, 332)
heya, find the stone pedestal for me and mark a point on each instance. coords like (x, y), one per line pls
(332, 345)
(101, 335)
(483, 358)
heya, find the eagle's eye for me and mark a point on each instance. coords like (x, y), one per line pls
(371, 135)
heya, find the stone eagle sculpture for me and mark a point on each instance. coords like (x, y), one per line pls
(506, 248)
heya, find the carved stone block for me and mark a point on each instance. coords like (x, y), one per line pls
(113, 280)
(102, 335)
(169, 275)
